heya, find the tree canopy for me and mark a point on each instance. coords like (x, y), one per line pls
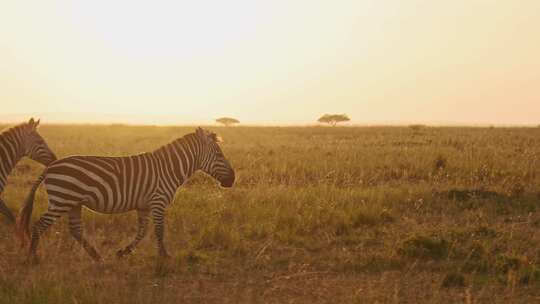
(333, 119)
(227, 121)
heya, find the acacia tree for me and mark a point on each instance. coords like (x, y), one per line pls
(333, 119)
(227, 121)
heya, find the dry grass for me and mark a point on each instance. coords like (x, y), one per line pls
(339, 215)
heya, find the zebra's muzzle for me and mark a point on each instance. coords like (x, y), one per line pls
(228, 181)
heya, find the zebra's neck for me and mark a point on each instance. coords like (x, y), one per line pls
(11, 151)
(178, 161)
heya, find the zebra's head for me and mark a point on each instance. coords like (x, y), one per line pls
(213, 162)
(34, 146)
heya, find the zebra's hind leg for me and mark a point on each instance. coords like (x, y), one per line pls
(5, 211)
(158, 215)
(143, 218)
(76, 230)
(40, 227)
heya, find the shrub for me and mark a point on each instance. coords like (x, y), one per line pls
(504, 263)
(453, 279)
(440, 163)
(530, 274)
(424, 247)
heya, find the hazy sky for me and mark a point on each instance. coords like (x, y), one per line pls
(461, 61)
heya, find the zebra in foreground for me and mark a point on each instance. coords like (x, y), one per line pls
(15, 143)
(146, 183)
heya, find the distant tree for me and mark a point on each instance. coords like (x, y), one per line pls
(333, 119)
(417, 127)
(227, 121)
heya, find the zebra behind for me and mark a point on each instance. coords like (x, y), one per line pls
(146, 183)
(15, 143)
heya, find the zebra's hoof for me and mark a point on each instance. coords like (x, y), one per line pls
(121, 253)
(32, 260)
(97, 258)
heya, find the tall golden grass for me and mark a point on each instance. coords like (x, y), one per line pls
(318, 214)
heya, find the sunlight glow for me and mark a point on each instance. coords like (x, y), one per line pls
(273, 61)
(167, 28)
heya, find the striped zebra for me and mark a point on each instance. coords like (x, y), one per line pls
(15, 143)
(146, 183)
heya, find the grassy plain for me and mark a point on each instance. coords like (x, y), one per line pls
(318, 214)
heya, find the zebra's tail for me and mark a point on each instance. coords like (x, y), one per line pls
(23, 222)
(5, 211)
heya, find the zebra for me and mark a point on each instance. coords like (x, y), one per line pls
(15, 143)
(145, 182)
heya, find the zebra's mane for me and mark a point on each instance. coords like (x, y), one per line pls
(10, 129)
(216, 138)
(193, 136)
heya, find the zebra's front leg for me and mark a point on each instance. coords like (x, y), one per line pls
(76, 230)
(5, 211)
(143, 218)
(44, 222)
(158, 215)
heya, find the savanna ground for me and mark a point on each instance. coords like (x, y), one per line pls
(318, 214)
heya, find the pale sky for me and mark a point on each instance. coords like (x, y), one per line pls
(380, 61)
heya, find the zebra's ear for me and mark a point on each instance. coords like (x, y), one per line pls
(33, 124)
(202, 134)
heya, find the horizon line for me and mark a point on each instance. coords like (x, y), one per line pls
(262, 125)
(55, 118)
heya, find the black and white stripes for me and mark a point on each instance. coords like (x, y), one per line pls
(146, 182)
(15, 143)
